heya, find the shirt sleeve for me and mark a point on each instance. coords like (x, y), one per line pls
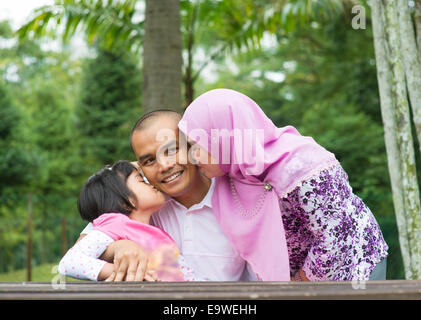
(346, 240)
(88, 228)
(82, 260)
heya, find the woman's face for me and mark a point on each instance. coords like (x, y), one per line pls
(207, 164)
(149, 199)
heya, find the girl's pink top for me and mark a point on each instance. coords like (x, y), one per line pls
(152, 239)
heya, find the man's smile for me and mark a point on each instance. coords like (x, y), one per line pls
(173, 176)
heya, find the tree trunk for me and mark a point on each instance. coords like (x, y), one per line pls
(188, 73)
(417, 20)
(404, 140)
(388, 115)
(412, 62)
(162, 60)
(188, 78)
(29, 241)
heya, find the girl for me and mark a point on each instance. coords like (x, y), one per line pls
(282, 199)
(120, 204)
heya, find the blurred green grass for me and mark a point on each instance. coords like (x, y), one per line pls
(40, 273)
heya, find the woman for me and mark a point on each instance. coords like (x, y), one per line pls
(283, 200)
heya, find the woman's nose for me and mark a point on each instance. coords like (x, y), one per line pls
(194, 155)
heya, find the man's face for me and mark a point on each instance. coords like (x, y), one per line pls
(162, 158)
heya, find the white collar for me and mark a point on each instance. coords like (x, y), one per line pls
(206, 201)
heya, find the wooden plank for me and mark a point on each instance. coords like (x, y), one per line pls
(391, 289)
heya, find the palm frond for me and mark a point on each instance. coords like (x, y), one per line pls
(111, 21)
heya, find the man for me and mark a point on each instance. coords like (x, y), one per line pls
(187, 216)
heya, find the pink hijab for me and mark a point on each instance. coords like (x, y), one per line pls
(250, 216)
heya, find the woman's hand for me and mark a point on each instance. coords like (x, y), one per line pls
(130, 261)
(303, 275)
(300, 276)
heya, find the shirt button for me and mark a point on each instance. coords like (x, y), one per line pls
(187, 229)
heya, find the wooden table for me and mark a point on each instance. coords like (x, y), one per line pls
(390, 289)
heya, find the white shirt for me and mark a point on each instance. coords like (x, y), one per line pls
(201, 240)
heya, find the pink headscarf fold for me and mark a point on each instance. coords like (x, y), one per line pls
(279, 156)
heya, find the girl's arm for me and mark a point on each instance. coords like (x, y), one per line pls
(82, 260)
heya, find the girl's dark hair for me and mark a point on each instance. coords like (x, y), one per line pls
(106, 191)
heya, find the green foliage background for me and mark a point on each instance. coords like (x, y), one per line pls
(63, 118)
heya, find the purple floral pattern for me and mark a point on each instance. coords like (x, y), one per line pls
(331, 234)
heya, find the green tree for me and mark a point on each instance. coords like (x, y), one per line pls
(113, 24)
(19, 165)
(39, 153)
(110, 101)
(214, 27)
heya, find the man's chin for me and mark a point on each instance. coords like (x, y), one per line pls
(175, 192)
(176, 189)
(206, 174)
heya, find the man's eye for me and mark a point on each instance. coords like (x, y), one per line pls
(172, 151)
(147, 161)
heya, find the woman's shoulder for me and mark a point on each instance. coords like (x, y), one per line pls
(332, 173)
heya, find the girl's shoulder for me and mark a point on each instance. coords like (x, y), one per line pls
(111, 217)
(113, 224)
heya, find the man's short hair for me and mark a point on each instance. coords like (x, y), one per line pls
(142, 122)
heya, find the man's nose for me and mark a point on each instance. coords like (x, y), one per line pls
(166, 163)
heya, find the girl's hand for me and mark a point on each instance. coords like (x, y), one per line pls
(130, 261)
(151, 275)
(106, 272)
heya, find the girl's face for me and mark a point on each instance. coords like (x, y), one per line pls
(207, 164)
(149, 199)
